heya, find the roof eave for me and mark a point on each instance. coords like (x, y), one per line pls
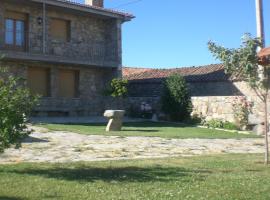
(91, 9)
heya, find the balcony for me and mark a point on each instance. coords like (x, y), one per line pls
(90, 55)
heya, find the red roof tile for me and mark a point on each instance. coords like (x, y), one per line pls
(213, 72)
(264, 56)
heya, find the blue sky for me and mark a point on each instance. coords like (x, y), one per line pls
(174, 33)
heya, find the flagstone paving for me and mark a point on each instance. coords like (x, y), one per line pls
(45, 146)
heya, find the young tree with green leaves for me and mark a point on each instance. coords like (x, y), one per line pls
(243, 63)
(176, 101)
(16, 104)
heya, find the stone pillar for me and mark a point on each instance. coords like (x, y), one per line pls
(54, 82)
(119, 47)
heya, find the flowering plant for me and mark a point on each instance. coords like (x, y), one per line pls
(241, 109)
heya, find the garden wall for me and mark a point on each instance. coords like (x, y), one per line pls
(212, 100)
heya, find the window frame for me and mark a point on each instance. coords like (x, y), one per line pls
(15, 20)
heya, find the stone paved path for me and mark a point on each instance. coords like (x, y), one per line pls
(71, 147)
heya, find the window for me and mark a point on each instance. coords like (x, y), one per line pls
(60, 30)
(38, 81)
(68, 83)
(15, 28)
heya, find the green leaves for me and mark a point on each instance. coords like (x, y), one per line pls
(240, 63)
(117, 88)
(16, 104)
(176, 101)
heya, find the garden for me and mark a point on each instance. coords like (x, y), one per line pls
(172, 159)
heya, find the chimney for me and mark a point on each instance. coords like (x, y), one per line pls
(97, 3)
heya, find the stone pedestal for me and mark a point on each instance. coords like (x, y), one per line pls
(115, 119)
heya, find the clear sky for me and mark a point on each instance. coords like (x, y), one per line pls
(174, 33)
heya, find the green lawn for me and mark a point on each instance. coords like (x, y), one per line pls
(227, 177)
(165, 130)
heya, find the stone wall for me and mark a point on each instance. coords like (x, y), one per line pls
(212, 100)
(92, 83)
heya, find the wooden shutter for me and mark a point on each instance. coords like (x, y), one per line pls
(38, 80)
(60, 29)
(68, 83)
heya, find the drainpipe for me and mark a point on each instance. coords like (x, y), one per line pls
(44, 29)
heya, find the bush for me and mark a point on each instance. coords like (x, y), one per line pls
(16, 104)
(117, 88)
(176, 101)
(241, 109)
(195, 119)
(218, 123)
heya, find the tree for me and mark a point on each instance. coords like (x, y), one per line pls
(16, 104)
(242, 63)
(117, 88)
(176, 101)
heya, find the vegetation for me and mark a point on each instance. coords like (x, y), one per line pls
(176, 101)
(243, 63)
(117, 88)
(206, 178)
(149, 129)
(217, 123)
(16, 104)
(241, 109)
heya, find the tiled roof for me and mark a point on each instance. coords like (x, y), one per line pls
(81, 5)
(214, 72)
(264, 56)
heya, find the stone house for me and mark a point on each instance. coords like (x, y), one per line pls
(212, 91)
(66, 51)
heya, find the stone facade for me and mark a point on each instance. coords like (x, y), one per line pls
(93, 40)
(93, 49)
(92, 82)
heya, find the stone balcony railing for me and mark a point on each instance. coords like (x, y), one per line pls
(68, 53)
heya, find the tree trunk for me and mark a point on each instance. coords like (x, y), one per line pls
(266, 129)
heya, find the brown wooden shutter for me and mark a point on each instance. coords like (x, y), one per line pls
(68, 83)
(38, 81)
(60, 29)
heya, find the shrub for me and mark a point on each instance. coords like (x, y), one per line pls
(176, 101)
(195, 119)
(218, 123)
(117, 88)
(16, 104)
(241, 110)
(214, 123)
(230, 126)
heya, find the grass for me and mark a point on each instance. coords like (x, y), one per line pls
(149, 129)
(226, 177)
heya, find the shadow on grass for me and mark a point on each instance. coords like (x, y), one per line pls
(122, 174)
(9, 198)
(140, 130)
(137, 124)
